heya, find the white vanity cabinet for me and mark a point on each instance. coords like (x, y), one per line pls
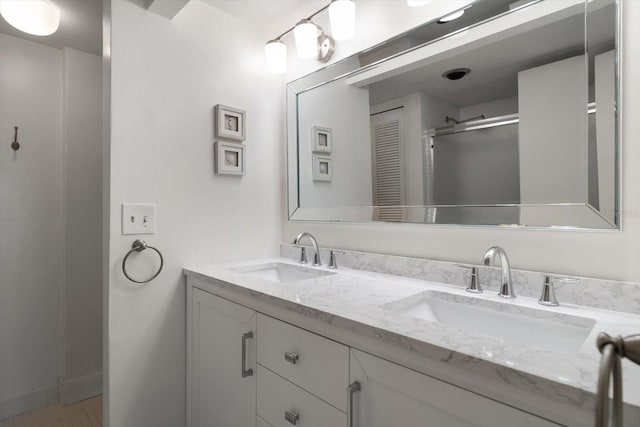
(221, 379)
(302, 377)
(392, 395)
(248, 369)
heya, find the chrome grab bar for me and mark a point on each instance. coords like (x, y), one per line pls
(613, 349)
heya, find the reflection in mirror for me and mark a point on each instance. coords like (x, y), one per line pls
(506, 118)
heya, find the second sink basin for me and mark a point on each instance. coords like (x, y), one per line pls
(511, 323)
(281, 272)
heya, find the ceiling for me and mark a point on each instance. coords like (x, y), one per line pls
(80, 27)
(495, 66)
(269, 16)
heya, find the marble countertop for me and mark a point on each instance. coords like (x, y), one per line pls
(360, 301)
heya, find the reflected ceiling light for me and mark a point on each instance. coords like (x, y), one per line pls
(37, 17)
(342, 15)
(451, 16)
(311, 40)
(306, 35)
(456, 73)
(417, 3)
(276, 54)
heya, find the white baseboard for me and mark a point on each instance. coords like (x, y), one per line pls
(80, 388)
(28, 402)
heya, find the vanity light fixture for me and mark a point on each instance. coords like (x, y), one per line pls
(311, 40)
(275, 51)
(342, 15)
(306, 35)
(37, 17)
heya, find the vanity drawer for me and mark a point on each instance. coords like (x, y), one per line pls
(317, 364)
(283, 404)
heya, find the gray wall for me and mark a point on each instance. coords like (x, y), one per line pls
(83, 241)
(553, 131)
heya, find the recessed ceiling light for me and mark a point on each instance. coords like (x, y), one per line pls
(451, 16)
(456, 73)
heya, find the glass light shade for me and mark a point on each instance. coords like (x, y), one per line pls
(306, 35)
(342, 14)
(37, 17)
(275, 53)
(451, 16)
(417, 3)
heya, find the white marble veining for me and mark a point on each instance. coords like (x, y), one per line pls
(597, 293)
(366, 302)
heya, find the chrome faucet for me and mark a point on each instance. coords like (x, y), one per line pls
(314, 242)
(506, 287)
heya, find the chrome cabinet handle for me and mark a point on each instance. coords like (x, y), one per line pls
(353, 388)
(291, 357)
(246, 372)
(291, 416)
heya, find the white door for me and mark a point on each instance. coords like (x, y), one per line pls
(394, 396)
(222, 382)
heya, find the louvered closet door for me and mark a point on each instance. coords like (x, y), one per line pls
(388, 165)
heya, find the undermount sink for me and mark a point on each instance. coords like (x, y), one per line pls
(280, 272)
(505, 321)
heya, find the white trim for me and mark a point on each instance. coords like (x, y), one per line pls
(28, 402)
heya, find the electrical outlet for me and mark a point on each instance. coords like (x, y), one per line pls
(138, 218)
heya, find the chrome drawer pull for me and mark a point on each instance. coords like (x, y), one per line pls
(246, 372)
(291, 357)
(353, 388)
(291, 416)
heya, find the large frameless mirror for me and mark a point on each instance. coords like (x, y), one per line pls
(506, 115)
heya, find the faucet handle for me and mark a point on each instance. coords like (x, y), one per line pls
(548, 296)
(474, 285)
(332, 258)
(303, 254)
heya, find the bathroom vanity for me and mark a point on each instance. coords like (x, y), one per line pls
(394, 341)
(527, 136)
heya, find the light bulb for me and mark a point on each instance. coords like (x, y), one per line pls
(306, 35)
(451, 16)
(37, 17)
(275, 53)
(342, 14)
(417, 3)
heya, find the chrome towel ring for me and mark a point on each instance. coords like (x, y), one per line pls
(613, 349)
(139, 246)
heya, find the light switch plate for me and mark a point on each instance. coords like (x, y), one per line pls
(138, 218)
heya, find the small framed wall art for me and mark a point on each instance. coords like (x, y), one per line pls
(230, 159)
(322, 141)
(229, 122)
(322, 168)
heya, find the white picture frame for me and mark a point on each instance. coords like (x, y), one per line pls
(229, 158)
(230, 123)
(322, 139)
(322, 168)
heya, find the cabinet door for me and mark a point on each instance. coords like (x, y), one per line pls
(222, 390)
(394, 396)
